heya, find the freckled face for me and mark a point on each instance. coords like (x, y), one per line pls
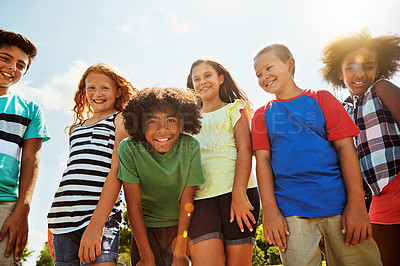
(359, 70)
(101, 92)
(162, 130)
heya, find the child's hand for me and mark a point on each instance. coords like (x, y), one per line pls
(356, 225)
(90, 245)
(241, 209)
(180, 261)
(16, 226)
(275, 229)
(50, 243)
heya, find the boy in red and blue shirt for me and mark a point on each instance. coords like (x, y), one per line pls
(308, 172)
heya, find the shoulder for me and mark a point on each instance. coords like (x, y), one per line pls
(318, 93)
(384, 86)
(188, 139)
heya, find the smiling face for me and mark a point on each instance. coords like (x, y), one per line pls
(101, 93)
(13, 65)
(273, 74)
(162, 130)
(206, 82)
(359, 70)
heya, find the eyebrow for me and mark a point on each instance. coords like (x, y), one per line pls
(7, 54)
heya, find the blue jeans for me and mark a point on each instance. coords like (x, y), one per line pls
(66, 246)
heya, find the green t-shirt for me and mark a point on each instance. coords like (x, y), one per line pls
(162, 177)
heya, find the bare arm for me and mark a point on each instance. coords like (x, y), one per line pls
(91, 240)
(240, 206)
(185, 216)
(355, 221)
(17, 223)
(275, 227)
(133, 198)
(389, 94)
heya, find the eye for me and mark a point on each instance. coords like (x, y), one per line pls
(269, 67)
(90, 88)
(4, 58)
(196, 79)
(151, 122)
(171, 120)
(105, 88)
(21, 66)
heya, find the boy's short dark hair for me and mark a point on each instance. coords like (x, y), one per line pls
(151, 100)
(279, 50)
(9, 38)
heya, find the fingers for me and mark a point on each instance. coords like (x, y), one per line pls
(232, 215)
(87, 254)
(10, 243)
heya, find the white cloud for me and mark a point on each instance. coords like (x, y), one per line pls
(144, 21)
(127, 27)
(58, 93)
(179, 27)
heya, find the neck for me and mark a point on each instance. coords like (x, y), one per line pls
(212, 105)
(3, 91)
(100, 116)
(289, 93)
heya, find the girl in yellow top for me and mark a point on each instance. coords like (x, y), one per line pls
(230, 191)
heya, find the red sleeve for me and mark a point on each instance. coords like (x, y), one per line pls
(338, 122)
(259, 132)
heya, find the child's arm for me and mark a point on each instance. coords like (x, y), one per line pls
(355, 221)
(185, 216)
(275, 227)
(389, 94)
(240, 205)
(17, 223)
(90, 245)
(133, 197)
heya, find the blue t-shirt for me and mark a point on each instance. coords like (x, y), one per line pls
(298, 133)
(20, 119)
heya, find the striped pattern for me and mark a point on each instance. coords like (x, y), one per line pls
(378, 144)
(12, 130)
(80, 188)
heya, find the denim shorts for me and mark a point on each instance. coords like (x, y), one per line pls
(66, 246)
(211, 219)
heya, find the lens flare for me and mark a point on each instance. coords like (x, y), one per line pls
(189, 214)
(359, 59)
(356, 67)
(185, 233)
(189, 207)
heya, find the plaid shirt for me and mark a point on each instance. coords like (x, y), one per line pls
(378, 144)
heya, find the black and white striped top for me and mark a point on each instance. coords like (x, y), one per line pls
(88, 165)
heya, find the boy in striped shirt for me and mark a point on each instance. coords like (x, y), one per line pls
(22, 131)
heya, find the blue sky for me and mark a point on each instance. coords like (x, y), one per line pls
(154, 44)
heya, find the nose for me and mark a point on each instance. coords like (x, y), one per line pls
(162, 126)
(99, 92)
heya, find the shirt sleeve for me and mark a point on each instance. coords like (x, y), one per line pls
(234, 111)
(338, 122)
(127, 168)
(196, 174)
(259, 132)
(37, 127)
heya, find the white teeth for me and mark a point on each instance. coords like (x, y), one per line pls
(269, 83)
(162, 140)
(358, 82)
(6, 74)
(98, 101)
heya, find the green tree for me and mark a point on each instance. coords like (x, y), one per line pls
(125, 239)
(44, 258)
(26, 254)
